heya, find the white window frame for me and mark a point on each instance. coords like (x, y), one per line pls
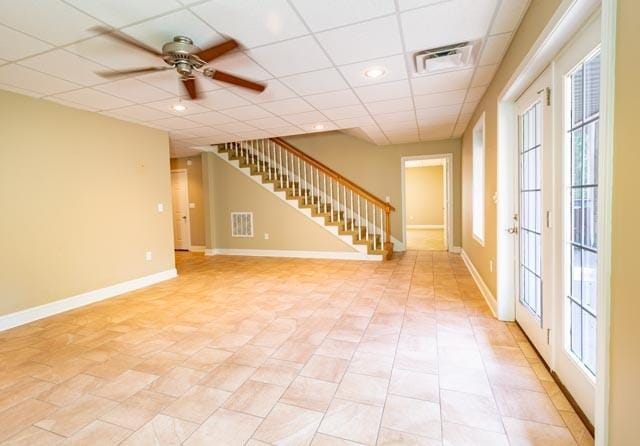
(478, 182)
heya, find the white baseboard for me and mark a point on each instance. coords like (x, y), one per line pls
(196, 248)
(455, 249)
(337, 255)
(425, 226)
(484, 289)
(33, 314)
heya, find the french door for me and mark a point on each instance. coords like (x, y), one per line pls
(534, 259)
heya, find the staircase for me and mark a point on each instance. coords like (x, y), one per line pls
(357, 217)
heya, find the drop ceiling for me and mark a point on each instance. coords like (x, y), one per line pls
(312, 55)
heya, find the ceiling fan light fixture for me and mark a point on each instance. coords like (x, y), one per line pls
(374, 72)
(318, 127)
(179, 107)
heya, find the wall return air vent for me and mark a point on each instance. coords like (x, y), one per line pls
(444, 58)
(242, 224)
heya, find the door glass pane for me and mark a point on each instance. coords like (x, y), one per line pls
(582, 284)
(530, 215)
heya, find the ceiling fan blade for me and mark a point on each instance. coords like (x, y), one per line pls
(235, 80)
(190, 85)
(123, 38)
(110, 74)
(216, 51)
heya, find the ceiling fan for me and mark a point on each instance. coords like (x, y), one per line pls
(185, 57)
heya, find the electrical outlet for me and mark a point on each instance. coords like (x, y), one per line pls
(189, 162)
(148, 255)
(192, 205)
(387, 199)
(266, 236)
(160, 207)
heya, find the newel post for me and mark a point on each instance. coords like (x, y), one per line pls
(388, 245)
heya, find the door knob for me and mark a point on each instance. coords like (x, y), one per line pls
(513, 230)
(184, 217)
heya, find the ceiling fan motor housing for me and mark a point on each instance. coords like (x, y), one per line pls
(180, 53)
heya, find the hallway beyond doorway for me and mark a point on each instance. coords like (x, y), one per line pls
(426, 239)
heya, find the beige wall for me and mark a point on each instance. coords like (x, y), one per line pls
(79, 193)
(625, 299)
(424, 198)
(194, 183)
(288, 229)
(377, 168)
(536, 18)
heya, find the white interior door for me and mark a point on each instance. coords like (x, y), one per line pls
(180, 195)
(445, 202)
(531, 223)
(577, 82)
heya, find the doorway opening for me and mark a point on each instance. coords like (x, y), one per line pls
(426, 203)
(180, 211)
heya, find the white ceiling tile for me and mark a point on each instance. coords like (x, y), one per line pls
(316, 82)
(211, 118)
(240, 65)
(204, 131)
(19, 90)
(134, 90)
(201, 141)
(221, 99)
(23, 77)
(320, 15)
(403, 138)
(369, 40)
(463, 122)
(291, 57)
(394, 66)
(447, 23)
(446, 111)
(253, 134)
(469, 107)
(287, 107)
(358, 121)
(72, 104)
(305, 118)
(222, 138)
(494, 49)
(67, 66)
(476, 93)
(156, 32)
(334, 99)
(383, 92)
(437, 120)
(350, 111)
(326, 127)
(438, 99)
(113, 54)
(285, 130)
(484, 75)
(252, 22)
(49, 20)
(15, 45)
(234, 127)
(412, 4)
(509, 15)
(452, 80)
(166, 105)
(139, 112)
(392, 105)
(170, 81)
(120, 13)
(94, 99)
(268, 123)
(404, 116)
(175, 123)
(357, 133)
(247, 112)
(435, 132)
(275, 91)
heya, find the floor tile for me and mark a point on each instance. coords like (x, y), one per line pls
(363, 389)
(35, 436)
(459, 435)
(289, 425)
(325, 368)
(528, 433)
(275, 371)
(228, 376)
(412, 416)
(389, 437)
(310, 393)
(352, 421)
(197, 404)
(125, 385)
(255, 398)
(99, 433)
(162, 430)
(177, 381)
(527, 405)
(137, 410)
(413, 384)
(70, 419)
(470, 410)
(224, 428)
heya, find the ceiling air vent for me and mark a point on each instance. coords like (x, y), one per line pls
(444, 58)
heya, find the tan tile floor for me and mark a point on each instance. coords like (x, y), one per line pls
(281, 351)
(426, 239)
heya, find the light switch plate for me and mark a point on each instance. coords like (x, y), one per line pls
(160, 207)
(192, 205)
(148, 255)
(189, 162)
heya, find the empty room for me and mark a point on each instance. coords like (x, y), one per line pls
(317, 223)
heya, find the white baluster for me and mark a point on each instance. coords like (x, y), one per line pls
(280, 167)
(306, 185)
(375, 239)
(324, 190)
(299, 178)
(318, 188)
(272, 159)
(366, 219)
(359, 220)
(353, 221)
(331, 197)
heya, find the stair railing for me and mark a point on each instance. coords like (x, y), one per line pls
(340, 199)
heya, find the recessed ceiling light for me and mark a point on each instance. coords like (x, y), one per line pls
(318, 127)
(374, 72)
(179, 107)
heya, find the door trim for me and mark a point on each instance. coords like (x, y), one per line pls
(186, 187)
(448, 173)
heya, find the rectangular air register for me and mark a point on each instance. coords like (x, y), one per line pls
(242, 224)
(444, 58)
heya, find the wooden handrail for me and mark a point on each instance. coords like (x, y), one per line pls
(332, 173)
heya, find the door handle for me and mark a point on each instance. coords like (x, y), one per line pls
(513, 230)
(184, 217)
